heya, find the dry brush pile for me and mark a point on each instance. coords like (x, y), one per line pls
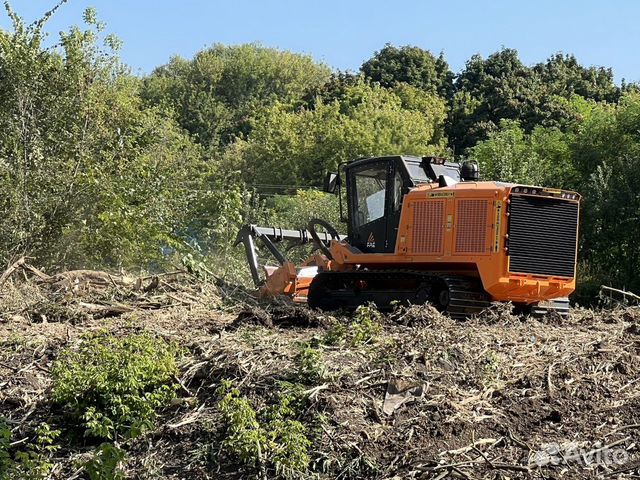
(171, 376)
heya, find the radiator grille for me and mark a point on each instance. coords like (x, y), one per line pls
(471, 226)
(542, 236)
(428, 226)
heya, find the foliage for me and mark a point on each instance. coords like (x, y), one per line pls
(82, 162)
(287, 148)
(501, 87)
(311, 368)
(295, 211)
(510, 155)
(410, 65)
(34, 461)
(214, 94)
(563, 75)
(105, 463)
(364, 328)
(269, 438)
(113, 386)
(5, 440)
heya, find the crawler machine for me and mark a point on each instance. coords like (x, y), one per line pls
(427, 230)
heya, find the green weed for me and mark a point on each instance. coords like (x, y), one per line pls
(113, 386)
(105, 464)
(270, 438)
(363, 329)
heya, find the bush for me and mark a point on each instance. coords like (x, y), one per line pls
(266, 438)
(32, 463)
(113, 386)
(5, 440)
(364, 328)
(104, 465)
(311, 368)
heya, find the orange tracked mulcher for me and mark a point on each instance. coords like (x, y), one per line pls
(426, 230)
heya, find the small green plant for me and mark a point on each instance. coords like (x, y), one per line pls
(270, 438)
(490, 368)
(34, 463)
(311, 368)
(105, 464)
(5, 440)
(363, 329)
(113, 386)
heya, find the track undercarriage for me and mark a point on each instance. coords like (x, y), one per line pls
(458, 296)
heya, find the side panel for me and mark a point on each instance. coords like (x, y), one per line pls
(428, 227)
(473, 225)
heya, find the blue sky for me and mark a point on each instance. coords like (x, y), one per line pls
(345, 33)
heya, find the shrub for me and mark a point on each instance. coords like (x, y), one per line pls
(266, 438)
(311, 368)
(32, 463)
(364, 328)
(105, 464)
(114, 385)
(5, 440)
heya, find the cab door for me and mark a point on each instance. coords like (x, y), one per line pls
(370, 193)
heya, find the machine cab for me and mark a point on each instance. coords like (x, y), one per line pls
(375, 191)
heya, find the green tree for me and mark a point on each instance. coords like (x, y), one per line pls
(89, 176)
(543, 157)
(502, 87)
(294, 148)
(214, 95)
(564, 76)
(487, 91)
(412, 65)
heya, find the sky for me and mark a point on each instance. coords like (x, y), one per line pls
(343, 34)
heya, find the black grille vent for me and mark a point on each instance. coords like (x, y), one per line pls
(542, 236)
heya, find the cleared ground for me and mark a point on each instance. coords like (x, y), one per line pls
(424, 396)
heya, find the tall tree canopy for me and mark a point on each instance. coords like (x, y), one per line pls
(289, 148)
(214, 95)
(412, 65)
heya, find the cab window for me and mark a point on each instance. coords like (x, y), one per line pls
(371, 187)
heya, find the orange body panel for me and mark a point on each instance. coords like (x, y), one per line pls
(461, 228)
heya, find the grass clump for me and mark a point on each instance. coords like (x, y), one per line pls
(363, 329)
(113, 386)
(270, 438)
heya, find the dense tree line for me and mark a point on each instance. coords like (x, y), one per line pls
(101, 167)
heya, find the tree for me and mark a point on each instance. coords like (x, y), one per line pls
(542, 157)
(297, 148)
(412, 65)
(487, 91)
(213, 95)
(89, 176)
(562, 75)
(502, 87)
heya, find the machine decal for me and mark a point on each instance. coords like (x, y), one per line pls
(498, 226)
(371, 241)
(440, 194)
